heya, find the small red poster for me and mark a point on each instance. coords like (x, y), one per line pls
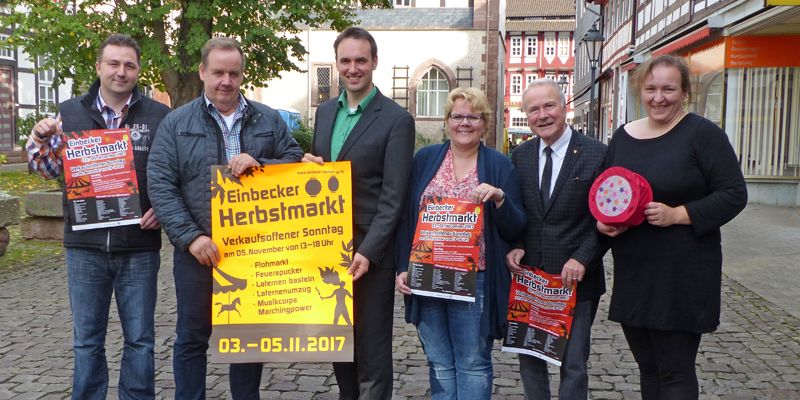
(540, 314)
(100, 179)
(446, 249)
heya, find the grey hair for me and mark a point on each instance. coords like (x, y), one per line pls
(545, 82)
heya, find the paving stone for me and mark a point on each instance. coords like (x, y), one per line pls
(755, 353)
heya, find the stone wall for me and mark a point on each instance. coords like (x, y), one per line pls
(9, 215)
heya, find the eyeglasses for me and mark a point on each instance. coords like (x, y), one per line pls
(471, 118)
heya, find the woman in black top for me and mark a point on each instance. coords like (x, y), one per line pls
(668, 270)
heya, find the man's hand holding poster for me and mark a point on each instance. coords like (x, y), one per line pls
(100, 179)
(540, 314)
(446, 248)
(281, 291)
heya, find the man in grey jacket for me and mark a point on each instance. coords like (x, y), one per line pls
(220, 127)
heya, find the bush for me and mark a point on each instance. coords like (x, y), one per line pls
(422, 141)
(303, 136)
(25, 126)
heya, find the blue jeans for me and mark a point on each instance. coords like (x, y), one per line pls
(574, 372)
(92, 276)
(460, 360)
(193, 283)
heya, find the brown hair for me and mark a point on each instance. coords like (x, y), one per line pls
(646, 68)
(355, 32)
(222, 43)
(121, 40)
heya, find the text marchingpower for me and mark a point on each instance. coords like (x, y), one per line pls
(229, 217)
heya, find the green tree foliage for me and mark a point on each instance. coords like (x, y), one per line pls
(171, 34)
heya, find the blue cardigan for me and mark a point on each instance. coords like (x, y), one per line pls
(501, 226)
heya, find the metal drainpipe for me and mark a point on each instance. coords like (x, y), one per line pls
(486, 66)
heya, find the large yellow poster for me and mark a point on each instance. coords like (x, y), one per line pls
(281, 289)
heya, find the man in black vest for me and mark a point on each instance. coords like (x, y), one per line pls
(124, 259)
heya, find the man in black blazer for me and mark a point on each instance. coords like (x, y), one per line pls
(377, 136)
(556, 171)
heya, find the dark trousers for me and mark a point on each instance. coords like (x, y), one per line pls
(666, 362)
(370, 376)
(193, 283)
(574, 371)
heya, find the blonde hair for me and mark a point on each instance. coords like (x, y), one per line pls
(474, 97)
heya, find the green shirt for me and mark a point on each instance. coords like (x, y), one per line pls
(346, 120)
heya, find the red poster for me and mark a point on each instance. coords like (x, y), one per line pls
(100, 179)
(446, 249)
(540, 314)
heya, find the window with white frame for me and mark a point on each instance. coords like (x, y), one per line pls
(5, 52)
(550, 44)
(402, 3)
(432, 93)
(45, 75)
(563, 44)
(516, 84)
(516, 46)
(47, 94)
(530, 46)
(47, 99)
(519, 122)
(529, 78)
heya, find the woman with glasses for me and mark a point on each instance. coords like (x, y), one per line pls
(457, 335)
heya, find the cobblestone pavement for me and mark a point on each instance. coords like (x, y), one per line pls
(755, 354)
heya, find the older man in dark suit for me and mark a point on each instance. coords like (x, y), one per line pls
(377, 136)
(556, 171)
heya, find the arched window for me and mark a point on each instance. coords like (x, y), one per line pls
(432, 93)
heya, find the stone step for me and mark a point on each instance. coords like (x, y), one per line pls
(44, 204)
(14, 156)
(43, 228)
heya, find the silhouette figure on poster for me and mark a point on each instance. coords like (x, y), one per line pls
(331, 277)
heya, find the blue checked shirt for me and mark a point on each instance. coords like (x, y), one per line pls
(233, 145)
(45, 155)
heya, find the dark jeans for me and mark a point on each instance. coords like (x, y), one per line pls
(574, 371)
(193, 283)
(370, 376)
(666, 362)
